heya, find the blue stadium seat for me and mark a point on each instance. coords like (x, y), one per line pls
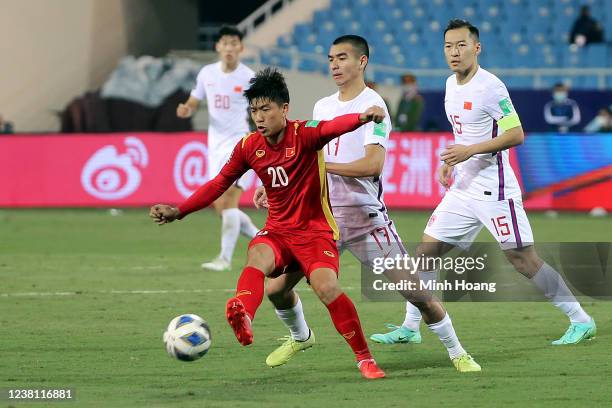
(596, 55)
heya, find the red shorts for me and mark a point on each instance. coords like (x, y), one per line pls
(293, 250)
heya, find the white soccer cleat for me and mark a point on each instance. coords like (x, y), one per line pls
(218, 264)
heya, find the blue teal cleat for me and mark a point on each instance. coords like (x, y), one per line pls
(400, 334)
(577, 332)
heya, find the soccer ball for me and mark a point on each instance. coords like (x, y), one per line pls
(187, 337)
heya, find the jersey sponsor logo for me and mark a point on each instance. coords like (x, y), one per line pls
(312, 123)
(289, 152)
(237, 88)
(329, 253)
(467, 105)
(110, 175)
(260, 153)
(506, 106)
(349, 335)
(190, 168)
(243, 293)
(380, 129)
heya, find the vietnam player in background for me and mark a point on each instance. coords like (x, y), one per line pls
(300, 231)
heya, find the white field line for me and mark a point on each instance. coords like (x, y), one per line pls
(130, 292)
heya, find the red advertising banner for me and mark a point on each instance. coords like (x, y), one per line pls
(139, 169)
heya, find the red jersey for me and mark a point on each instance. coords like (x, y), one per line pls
(292, 171)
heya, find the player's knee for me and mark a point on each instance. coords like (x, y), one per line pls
(275, 293)
(327, 291)
(259, 258)
(523, 262)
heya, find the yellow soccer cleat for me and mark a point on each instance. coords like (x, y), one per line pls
(466, 364)
(288, 349)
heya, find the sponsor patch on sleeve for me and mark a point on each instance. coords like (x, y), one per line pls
(380, 129)
(312, 123)
(506, 106)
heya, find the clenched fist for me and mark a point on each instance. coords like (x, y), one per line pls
(163, 214)
(373, 114)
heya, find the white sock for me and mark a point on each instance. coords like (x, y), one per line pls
(294, 320)
(552, 284)
(446, 332)
(230, 230)
(412, 320)
(247, 228)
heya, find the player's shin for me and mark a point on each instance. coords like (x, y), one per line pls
(346, 321)
(293, 318)
(446, 333)
(554, 288)
(412, 320)
(230, 230)
(250, 289)
(247, 228)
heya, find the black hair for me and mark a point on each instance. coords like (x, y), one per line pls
(559, 85)
(229, 30)
(268, 84)
(359, 44)
(459, 23)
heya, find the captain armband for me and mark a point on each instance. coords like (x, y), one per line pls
(509, 122)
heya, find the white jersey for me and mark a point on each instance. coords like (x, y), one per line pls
(227, 107)
(473, 110)
(361, 197)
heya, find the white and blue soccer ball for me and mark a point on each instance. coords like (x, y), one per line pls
(187, 337)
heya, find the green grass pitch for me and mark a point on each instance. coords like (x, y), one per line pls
(85, 297)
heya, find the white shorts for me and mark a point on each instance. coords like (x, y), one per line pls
(380, 241)
(216, 161)
(457, 220)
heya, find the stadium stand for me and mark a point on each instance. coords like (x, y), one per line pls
(516, 34)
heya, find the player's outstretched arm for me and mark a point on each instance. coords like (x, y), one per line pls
(455, 154)
(371, 165)
(320, 133)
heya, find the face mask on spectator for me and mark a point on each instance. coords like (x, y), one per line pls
(560, 96)
(409, 91)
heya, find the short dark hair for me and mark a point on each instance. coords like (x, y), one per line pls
(229, 30)
(459, 23)
(268, 84)
(359, 43)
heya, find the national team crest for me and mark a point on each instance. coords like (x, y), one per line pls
(467, 105)
(289, 152)
(260, 153)
(237, 88)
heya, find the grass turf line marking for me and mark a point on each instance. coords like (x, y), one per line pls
(128, 292)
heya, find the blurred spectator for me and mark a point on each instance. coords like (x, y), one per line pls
(410, 106)
(600, 123)
(374, 86)
(5, 127)
(586, 29)
(562, 112)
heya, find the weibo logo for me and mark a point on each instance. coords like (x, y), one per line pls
(110, 175)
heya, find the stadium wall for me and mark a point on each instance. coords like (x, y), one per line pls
(53, 51)
(568, 172)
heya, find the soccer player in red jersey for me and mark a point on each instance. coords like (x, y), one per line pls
(300, 231)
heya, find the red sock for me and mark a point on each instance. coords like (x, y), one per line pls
(345, 318)
(250, 289)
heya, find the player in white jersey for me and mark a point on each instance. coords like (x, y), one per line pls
(354, 164)
(222, 84)
(485, 191)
